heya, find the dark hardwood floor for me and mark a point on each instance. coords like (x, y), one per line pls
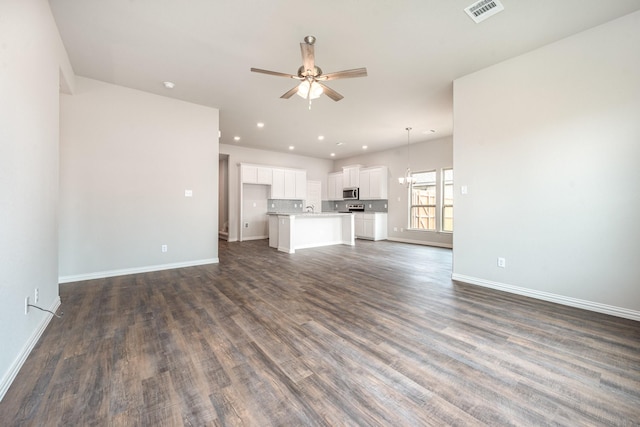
(371, 335)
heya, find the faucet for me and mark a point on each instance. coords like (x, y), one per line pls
(310, 208)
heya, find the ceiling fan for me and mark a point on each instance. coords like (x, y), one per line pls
(311, 77)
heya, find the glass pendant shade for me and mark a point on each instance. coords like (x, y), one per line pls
(314, 93)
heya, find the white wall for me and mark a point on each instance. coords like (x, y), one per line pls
(548, 144)
(317, 170)
(254, 211)
(127, 158)
(430, 155)
(31, 57)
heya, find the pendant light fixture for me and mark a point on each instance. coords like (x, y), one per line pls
(407, 179)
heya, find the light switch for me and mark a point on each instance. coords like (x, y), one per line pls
(463, 189)
(188, 193)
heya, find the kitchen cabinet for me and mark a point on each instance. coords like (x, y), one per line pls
(289, 232)
(351, 176)
(373, 183)
(277, 188)
(289, 184)
(300, 191)
(371, 226)
(253, 174)
(334, 186)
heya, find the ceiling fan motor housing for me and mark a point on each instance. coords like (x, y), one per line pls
(303, 73)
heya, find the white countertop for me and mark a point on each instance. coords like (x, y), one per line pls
(308, 214)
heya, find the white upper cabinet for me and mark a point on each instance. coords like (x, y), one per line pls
(289, 184)
(334, 186)
(253, 174)
(277, 188)
(301, 184)
(373, 183)
(351, 176)
(285, 183)
(265, 175)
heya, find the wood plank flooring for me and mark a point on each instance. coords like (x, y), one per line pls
(371, 335)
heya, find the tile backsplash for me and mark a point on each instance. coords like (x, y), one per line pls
(369, 205)
(281, 205)
(290, 206)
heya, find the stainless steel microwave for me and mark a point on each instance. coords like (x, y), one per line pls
(350, 193)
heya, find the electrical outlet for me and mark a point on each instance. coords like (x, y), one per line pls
(36, 296)
(502, 263)
(165, 248)
(26, 305)
(246, 225)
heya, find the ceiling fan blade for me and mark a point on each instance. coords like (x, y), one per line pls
(346, 74)
(308, 57)
(330, 92)
(288, 94)
(274, 73)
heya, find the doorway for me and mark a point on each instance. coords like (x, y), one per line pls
(223, 197)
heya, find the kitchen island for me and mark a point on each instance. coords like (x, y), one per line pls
(291, 231)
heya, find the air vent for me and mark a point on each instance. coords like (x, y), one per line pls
(483, 9)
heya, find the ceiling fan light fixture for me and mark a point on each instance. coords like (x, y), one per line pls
(308, 90)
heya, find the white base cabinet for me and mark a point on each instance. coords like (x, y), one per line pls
(371, 226)
(288, 232)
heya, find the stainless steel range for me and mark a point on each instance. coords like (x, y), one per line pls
(354, 207)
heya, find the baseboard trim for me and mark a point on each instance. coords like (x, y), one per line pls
(546, 296)
(255, 238)
(420, 242)
(26, 350)
(136, 270)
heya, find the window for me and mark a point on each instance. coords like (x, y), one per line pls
(422, 213)
(447, 200)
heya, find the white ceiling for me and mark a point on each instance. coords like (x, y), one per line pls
(412, 49)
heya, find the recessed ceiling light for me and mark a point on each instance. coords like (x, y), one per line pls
(260, 124)
(320, 138)
(236, 138)
(339, 143)
(364, 147)
(333, 154)
(291, 147)
(169, 85)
